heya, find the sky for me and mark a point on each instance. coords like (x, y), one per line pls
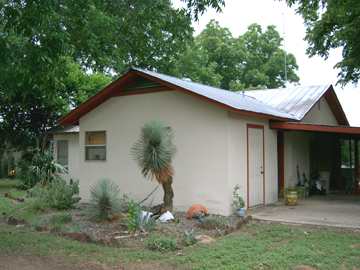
(239, 14)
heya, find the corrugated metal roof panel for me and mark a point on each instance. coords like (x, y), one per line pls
(297, 100)
(231, 99)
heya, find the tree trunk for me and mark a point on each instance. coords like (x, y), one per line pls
(168, 194)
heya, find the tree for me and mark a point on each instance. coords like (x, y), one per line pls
(154, 152)
(198, 7)
(43, 42)
(333, 24)
(254, 59)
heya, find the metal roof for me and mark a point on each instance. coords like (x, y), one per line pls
(66, 129)
(232, 99)
(290, 104)
(296, 100)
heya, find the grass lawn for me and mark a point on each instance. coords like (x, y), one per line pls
(8, 185)
(11, 207)
(256, 246)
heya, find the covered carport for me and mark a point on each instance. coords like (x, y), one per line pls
(319, 150)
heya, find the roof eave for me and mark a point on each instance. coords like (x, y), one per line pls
(72, 118)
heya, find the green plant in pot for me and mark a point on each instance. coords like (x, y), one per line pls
(238, 202)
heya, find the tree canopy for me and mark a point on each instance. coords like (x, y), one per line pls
(333, 24)
(54, 54)
(254, 59)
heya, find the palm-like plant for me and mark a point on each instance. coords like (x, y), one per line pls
(154, 152)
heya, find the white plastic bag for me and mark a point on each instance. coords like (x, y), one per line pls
(167, 216)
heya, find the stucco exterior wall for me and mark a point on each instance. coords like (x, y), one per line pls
(201, 162)
(238, 156)
(297, 144)
(296, 153)
(73, 154)
(320, 114)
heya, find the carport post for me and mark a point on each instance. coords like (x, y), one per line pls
(357, 172)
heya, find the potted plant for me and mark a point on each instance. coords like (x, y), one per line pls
(238, 202)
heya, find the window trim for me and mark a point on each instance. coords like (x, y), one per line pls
(92, 145)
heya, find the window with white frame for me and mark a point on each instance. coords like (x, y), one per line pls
(95, 145)
(62, 152)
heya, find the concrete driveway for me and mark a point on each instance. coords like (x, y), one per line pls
(336, 211)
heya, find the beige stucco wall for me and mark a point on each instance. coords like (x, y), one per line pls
(211, 156)
(74, 152)
(238, 156)
(201, 130)
(297, 153)
(320, 114)
(297, 144)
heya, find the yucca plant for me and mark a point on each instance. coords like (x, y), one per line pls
(154, 152)
(105, 200)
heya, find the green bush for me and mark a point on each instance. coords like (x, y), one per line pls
(61, 195)
(136, 220)
(57, 195)
(40, 168)
(57, 222)
(213, 223)
(161, 243)
(61, 218)
(105, 200)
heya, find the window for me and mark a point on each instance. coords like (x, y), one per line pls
(95, 145)
(62, 152)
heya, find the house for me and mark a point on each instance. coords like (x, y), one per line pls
(260, 140)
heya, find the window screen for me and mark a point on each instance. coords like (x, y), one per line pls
(95, 145)
(62, 152)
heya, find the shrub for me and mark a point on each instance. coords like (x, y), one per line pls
(57, 222)
(40, 168)
(161, 243)
(57, 195)
(136, 220)
(105, 200)
(61, 218)
(61, 195)
(189, 238)
(238, 201)
(213, 223)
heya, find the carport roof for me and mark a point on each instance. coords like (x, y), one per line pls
(298, 100)
(315, 128)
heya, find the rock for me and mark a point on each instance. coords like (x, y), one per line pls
(196, 210)
(14, 221)
(204, 239)
(78, 236)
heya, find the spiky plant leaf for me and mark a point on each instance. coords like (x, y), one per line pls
(154, 151)
(104, 200)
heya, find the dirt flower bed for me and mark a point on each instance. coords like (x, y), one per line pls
(115, 232)
(76, 224)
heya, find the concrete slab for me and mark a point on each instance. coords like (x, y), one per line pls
(335, 211)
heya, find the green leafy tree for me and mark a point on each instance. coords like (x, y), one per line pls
(154, 152)
(333, 24)
(43, 42)
(252, 60)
